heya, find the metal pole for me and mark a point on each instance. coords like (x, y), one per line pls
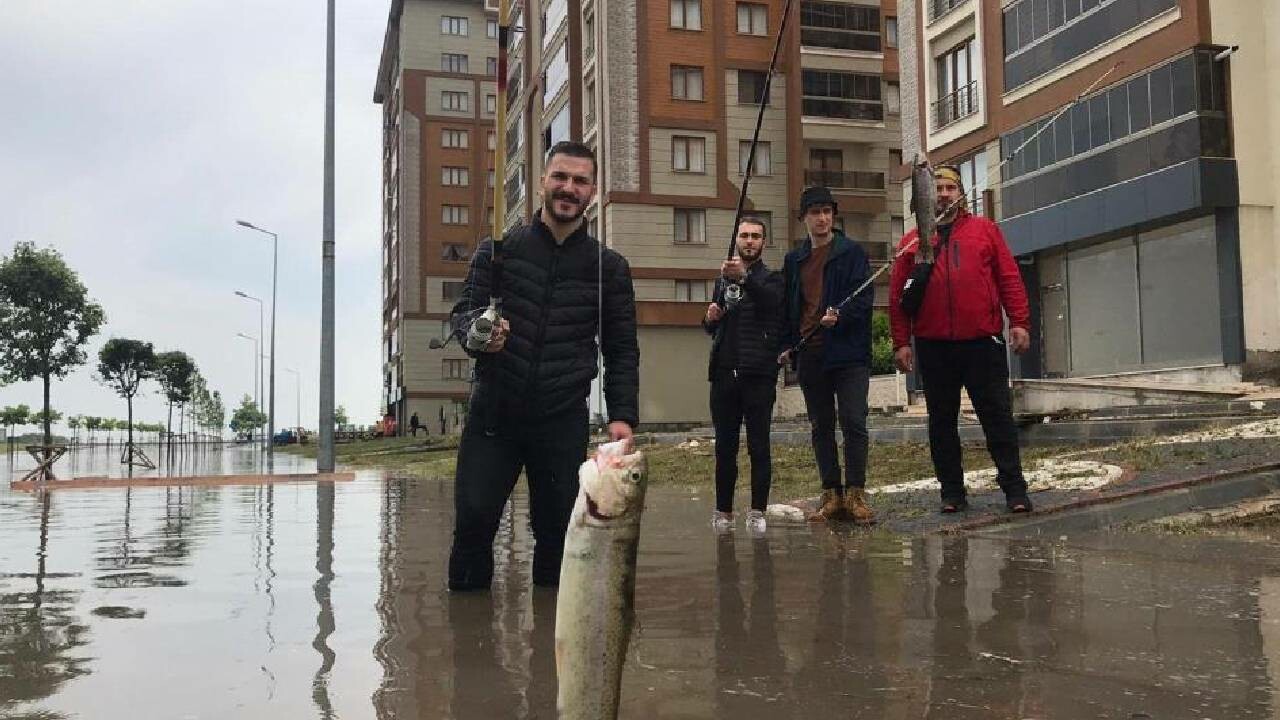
(324, 454)
(259, 367)
(271, 397)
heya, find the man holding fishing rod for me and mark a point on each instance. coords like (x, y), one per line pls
(953, 310)
(827, 328)
(559, 290)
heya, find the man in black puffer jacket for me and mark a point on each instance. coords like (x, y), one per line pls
(529, 398)
(744, 371)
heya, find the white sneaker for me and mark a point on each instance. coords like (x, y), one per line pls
(721, 522)
(755, 522)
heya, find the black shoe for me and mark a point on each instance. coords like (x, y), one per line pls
(1018, 504)
(954, 505)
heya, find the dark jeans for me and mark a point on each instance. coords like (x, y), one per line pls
(823, 389)
(550, 450)
(734, 400)
(981, 367)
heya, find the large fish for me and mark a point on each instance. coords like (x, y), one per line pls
(595, 608)
(924, 203)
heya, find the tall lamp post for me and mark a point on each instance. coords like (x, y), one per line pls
(257, 362)
(324, 451)
(262, 376)
(271, 392)
(297, 394)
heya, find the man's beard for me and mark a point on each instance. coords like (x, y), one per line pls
(549, 206)
(749, 256)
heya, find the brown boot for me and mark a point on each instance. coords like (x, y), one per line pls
(830, 507)
(855, 504)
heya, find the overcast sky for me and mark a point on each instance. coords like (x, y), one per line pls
(134, 133)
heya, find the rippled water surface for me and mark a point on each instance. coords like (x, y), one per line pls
(296, 601)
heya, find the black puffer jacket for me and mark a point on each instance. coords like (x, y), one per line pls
(758, 319)
(550, 297)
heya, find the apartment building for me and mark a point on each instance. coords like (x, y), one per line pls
(667, 93)
(437, 87)
(1143, 215)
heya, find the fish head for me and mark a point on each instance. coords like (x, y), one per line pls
(613, 484)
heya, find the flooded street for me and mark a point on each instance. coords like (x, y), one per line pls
(296, 601)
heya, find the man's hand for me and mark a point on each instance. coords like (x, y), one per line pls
(733, 269)
(904, 359)
(714, 313)
(784, 357)
(499, 338)
(619, 430)
(1019, 340)
(830, 318)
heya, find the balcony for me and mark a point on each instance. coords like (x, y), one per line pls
(955, 106)
(938, 8)
(846, 180)
(840, 39)
(843, 109)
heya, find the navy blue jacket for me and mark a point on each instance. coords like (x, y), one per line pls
(848, 342)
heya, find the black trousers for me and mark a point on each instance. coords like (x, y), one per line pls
(550, 451)
(839, 393)
(982, 368)
(733, 401)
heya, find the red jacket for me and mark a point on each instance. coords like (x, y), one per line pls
(974, 275)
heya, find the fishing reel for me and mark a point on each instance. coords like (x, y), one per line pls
(732, 295)
(480, 334)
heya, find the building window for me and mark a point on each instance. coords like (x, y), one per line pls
(493, 140)
(589, 104)
(840, 26)
(556, 78)
(895, 157)
(849, 96)
(686, 14)
(491, 29)
(690, 226)
(453, 63)
(897, 228)
(686, 82)
(455, 368)
(450, 25)
(751, 87)
(753, 19)
(455, 214)
(491, 66)
(454, 176)
(491, 104)
(454, 139)
(454, 252)
(492, 176)
(451, 291)
(957, 85)
(688, 154)
(552, 17)
(891, 32)
(692, 291)
(454, 100)
(589, 37)
(558, 130)
(762, 166)
(893, 98)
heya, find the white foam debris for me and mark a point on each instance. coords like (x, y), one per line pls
(780, 511)
(1269, 428)
(1049, 474)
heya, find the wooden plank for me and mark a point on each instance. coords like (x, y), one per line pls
(94, 482)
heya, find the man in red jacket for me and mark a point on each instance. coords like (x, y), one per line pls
(958, 330)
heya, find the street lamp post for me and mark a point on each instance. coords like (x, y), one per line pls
(297, 395)
(271, 393)
(261, 357)
(257, 361)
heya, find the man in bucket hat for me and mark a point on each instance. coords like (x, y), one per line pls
(835, 363)
(959, 336)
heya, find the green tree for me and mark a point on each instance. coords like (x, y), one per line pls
(340, 417)
(175, 373)
(13, 416)
(247, 417)
(213, 413)
(46, 317)
(45, 417)
(92, 423)
(881, 344)
(123, 365)
(74, 422)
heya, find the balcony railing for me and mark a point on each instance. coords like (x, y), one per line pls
(938, 8)
(846, 179)
(959, 104)
(840, 39)
(844, 109)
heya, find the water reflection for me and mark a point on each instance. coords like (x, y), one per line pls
(325, 624)
(750, 667)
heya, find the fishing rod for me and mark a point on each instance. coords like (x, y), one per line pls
(946, 210)
(732, 293)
